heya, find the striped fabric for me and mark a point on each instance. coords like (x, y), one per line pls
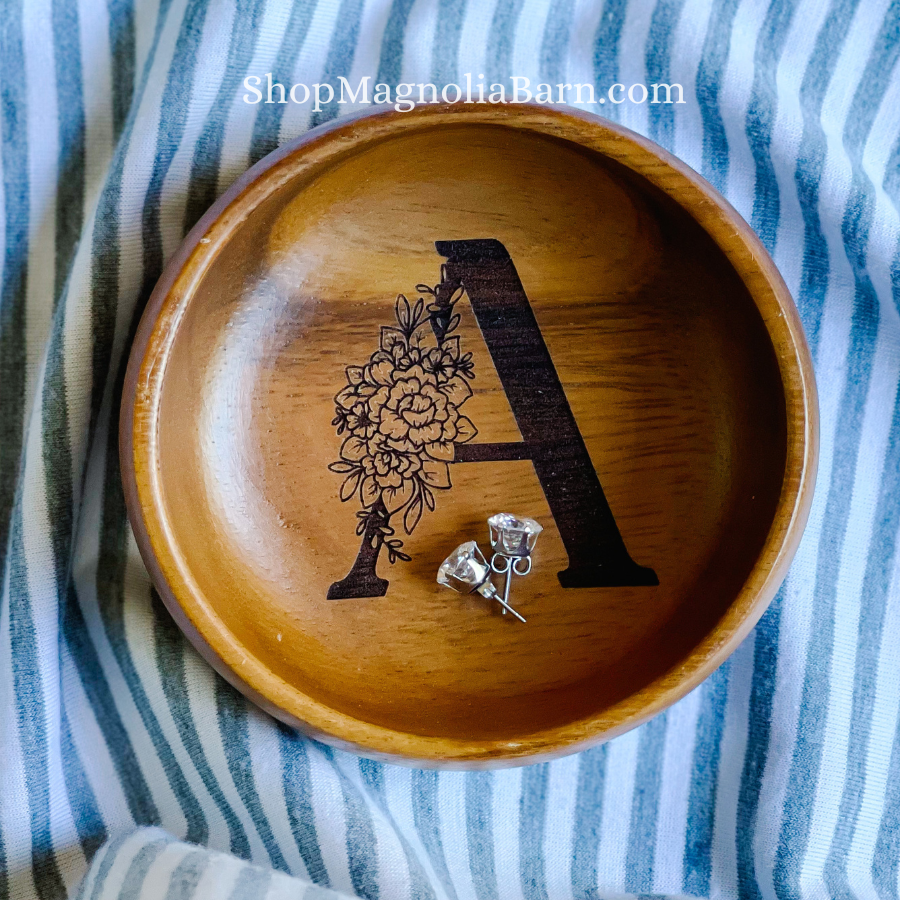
(121, 121)
(152, 865)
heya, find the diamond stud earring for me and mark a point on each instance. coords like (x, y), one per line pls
(466, 570)
(513, 538)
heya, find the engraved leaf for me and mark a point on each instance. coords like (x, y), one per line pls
(412, 515)
(369, 491)
(354, 448)
(391, 336)
(435, 474)
(457, 390)
(355, 374)
(351, 483)
(465, 430)
(402, 310)
(451, 344)
(429, 497)
(395, 553)
(342, 467)
(396, 498)
(347, 397)
(443, 450)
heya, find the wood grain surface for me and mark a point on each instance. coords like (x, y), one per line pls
(680, 355)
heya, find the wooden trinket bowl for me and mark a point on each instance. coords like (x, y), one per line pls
(400, 324)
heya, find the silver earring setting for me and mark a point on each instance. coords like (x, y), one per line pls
(466, 570)
(513, 538)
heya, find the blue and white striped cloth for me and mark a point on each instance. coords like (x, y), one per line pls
(152, 865)
(121, 121)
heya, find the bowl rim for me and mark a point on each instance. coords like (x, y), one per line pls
(138, 433)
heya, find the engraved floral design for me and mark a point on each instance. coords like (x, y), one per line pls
(400, 414)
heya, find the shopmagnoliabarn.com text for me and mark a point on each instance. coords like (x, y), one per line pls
(405, 96)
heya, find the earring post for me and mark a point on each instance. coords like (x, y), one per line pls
(506, 607)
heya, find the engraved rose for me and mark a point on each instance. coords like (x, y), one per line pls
(385, 462)
(401, 414)
(415, 411)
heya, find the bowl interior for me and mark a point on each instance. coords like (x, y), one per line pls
(665, 363)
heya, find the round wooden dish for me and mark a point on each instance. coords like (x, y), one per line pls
(602, 343)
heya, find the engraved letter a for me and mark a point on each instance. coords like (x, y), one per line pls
(551, 438)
